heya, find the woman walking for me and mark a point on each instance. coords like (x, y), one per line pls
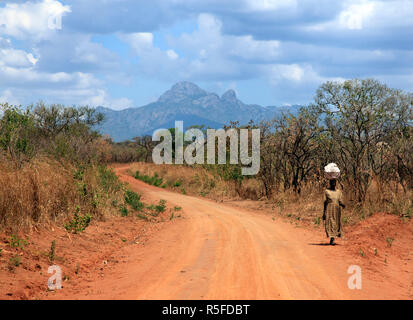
(333, 202)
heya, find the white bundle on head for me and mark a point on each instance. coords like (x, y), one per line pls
(331, 171)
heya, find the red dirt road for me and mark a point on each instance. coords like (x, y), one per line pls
(212, 250)
(222, 252)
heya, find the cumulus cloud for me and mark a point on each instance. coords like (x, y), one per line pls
(206, 53)
(269, 5)
(31, 20)
(101, 98)
(353, 17)
(53, 65)
(289, 45)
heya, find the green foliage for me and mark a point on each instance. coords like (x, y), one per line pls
(142, 216)
(17, 132)
(79, 222)
(133, 199)
(389, 241)
(108, 180)
(14, 262)
(61, 137)
(363, 118)
(79, 173)
(124, 211)
(52, 251)
(16, 242)
(159, 208)
(62, 132)
(177, 208)
(155, 180)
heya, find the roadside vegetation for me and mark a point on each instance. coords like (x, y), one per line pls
(362, 125)
(53, 164)
(53, 170)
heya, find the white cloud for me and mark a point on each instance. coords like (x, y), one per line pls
(268, 5)
(293, 45)
(353, 17)
(16, 58)
(141, 42)
(102, 98)
(30, 20)
(206, 53)
(7, 97)
(292, 72)
(172, 54)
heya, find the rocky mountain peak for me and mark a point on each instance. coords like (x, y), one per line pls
(182, 90)
(230, 95)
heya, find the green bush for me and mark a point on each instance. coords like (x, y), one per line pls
(124, 211)
(133, 199)
(155, 180)
(14, 262)
(142, 216)
(16, 242)
(108, 180)
(79, 222)
(17, 132)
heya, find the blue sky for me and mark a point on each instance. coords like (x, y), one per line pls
(125, 53)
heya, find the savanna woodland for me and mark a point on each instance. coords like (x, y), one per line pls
(54, 165)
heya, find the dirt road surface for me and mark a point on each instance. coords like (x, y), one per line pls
(221, 252)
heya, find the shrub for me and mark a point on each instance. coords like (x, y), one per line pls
(16, 242)
(155, 180)
(142, 216)
(52, 251)
(14, 262)
(124, 211)
(108, 180)
(161, 206)
(79, 222)
(389, 241)
(133, 199)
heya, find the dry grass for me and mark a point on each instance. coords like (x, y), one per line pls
(306, 207)
(189, 180)
(44, 191)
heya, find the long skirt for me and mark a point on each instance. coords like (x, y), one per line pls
(333, 220)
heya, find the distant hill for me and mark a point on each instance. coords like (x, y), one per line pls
(184, 101)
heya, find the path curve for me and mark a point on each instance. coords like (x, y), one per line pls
(222, 252)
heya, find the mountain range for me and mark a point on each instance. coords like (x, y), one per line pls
(187, 102)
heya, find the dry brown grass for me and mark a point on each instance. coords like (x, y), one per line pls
(189, 180)
(306, 207)
(44, 191)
